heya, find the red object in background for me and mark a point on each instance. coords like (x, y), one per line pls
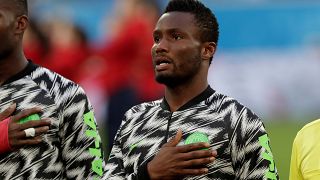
(129, 62)
(67, 60)
(35, 52)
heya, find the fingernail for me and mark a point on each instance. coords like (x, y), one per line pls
(214, 153)
(13, 105)
(48, 121)
(39, 109)
(212, 159)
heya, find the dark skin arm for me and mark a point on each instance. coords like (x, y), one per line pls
(17, 136)
(174, 161)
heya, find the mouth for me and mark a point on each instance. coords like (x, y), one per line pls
(162, 61)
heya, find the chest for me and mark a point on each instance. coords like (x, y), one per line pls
(27, 94)
(146, 136)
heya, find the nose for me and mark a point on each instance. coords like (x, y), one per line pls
(161, 47)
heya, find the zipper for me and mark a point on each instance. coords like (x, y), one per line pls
(168, 126)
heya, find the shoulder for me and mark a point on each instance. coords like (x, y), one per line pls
(236, 116)
(314, 125)
(56, 85)
(143, 107)
(311, 129)
(226, 104)
(222, 100)
(51, 80)
(46, 76)
(139, 113)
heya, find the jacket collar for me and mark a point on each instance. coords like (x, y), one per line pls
(26, 71)
(196, 100)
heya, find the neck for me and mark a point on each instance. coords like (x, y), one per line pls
(180, 95)
(12, 65)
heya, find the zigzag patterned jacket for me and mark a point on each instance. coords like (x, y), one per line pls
(233, 130)
(72, 148)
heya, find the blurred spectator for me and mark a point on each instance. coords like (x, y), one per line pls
(128, 60)
(90, 75)
(68, 48)
(36, 43)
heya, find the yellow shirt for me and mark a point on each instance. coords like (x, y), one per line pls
(305, 157)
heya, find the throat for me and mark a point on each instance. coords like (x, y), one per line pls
(2, 81)
(3, 78)
(8, 70)
(179, 96)
(176, 99)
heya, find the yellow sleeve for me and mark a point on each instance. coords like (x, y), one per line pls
(295, 171)
(305, 153)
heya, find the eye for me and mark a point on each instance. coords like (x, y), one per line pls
(156, 38)
(177, 36)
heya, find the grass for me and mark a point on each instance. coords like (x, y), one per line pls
(282, 134)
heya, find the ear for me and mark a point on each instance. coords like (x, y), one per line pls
(21, 24)
(208, 50)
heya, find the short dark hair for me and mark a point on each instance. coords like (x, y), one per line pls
(20, 7)
(205, 19)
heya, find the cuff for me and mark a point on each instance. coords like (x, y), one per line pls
(4, 138)
(143, 172)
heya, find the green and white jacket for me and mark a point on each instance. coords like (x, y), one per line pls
(72, 147)
(233, 130)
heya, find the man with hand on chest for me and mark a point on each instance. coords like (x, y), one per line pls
(194, 132)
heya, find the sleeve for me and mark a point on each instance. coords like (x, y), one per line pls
(81, 146)
(295, 172)
(115, 164)
(250, 149)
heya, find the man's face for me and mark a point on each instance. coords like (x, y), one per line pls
(176, 49)
(7, 23)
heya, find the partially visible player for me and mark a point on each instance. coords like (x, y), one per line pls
(213, 136)
(305, 157)
(71, 148)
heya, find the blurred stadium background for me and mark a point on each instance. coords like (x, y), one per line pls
(268, 58)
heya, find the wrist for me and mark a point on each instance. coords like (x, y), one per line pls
(4, 139)
(152, 175)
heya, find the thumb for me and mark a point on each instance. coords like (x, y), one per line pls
(175, 140)
(7, 112)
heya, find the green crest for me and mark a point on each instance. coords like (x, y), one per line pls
(32, 117)
(196, 137)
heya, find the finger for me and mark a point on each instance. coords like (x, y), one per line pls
(197, 162)
(175, 140)
(195, 171)
(25, 113)
(29, 141)
(198, 154)
(38, 131)
(33, 124)
(193, 147)
(42, 130)
(7, 112)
